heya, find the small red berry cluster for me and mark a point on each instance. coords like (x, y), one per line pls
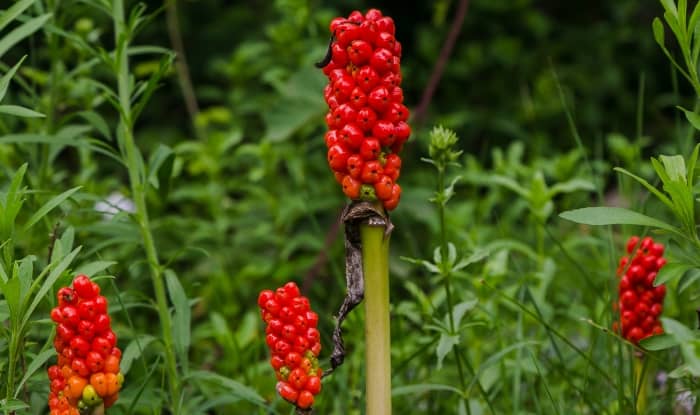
(366, 117)
(640, 303)
(294, 342)
(87, 373)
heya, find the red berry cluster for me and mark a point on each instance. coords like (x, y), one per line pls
(294, 342)
(87, 373)
(366, 117)
(640, 303)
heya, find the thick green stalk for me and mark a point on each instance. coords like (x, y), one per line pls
(139, 194)
(375, 264)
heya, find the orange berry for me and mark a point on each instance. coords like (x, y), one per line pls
(74, 386)
(111, 364)
(99, 382)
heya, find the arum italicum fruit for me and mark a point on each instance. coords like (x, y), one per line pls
(87, 377)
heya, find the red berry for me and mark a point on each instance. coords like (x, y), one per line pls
(370, 149)
(383, 187)
(371, 172)
(313, 385)
(351, 187)
(359, 52)
(306, 399)
(379, 99)
(287, 392)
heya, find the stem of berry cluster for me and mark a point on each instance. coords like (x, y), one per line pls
(138, 192)
(640, 383)
(375, 264)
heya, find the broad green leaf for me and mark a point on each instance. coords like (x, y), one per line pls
(670, 272)
(675, 167)
(48, 206)
(18, 111)
(659, 342)
(614, 216)
(134, 350)
(462, 308)
(228, 385)
(182, 314)
(13, 12)
(678, 330)
(445, 345)
(421, 388)
(36, 363)
(24, 30)
(5, 80)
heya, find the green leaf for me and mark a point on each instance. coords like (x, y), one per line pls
(160, 169)
(693, 118)
(659, 342)
(229, 385)
(678, 330)
(5, 80)
(92, 268)
(445, 345)
(459, 310)
(663, 198)
(658, 28)
(602, 215)
(36, 363)
(182, 314)
(48, 206)
(421, 388)
(670, 272)
(133, 350)
(15, 10)
(48, 283)
(12, 405)
(18, 111)
(26, 29)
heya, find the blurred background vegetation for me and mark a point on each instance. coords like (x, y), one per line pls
(249, 201)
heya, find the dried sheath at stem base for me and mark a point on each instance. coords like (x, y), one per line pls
(355, 214)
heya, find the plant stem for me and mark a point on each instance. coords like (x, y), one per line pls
(640, 383)
(375, 264)
(136, 179)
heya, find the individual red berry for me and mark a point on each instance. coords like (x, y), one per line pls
(297, 378)
(381, 61)
(351, 187)
(379, 99)
(366, 78)
(337, 158)
(366, 119)
(383, 187)
(313, 385)
(305, 400)
(354, 166)
(287, 392)
(352, 136)
(359, 52)
(370, 149)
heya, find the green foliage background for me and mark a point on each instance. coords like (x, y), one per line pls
(546, 97)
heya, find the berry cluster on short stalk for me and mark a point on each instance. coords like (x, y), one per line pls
(294, 343)
(87, 373)
(366, 117)
(640, 303)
